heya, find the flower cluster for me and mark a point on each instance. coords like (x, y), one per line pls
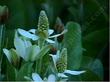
(34, 45)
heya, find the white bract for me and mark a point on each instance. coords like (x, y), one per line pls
(71, 72)
(31, 34)
(37, 78)
(25, 49)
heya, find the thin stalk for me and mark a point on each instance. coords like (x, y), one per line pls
(1, 40)
(38, 66)
(41, 43)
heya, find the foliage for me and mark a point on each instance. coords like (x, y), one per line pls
(83, 31)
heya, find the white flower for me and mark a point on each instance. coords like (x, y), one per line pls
(24, 49)
(37, 78)
(71, 72)
(31, 34)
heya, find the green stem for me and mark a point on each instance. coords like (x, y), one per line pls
(41, 42)
(38, 66)
(1, 40)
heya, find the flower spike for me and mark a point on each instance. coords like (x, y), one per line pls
(43, 25)
(61, 64)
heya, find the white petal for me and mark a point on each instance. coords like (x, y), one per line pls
(27, 34)
(7, 53)
(58, 34)
(34, 52)
(55, 57)
(34, 37)
(27, 78)
(62, 75)
(20, 47)
(55, 35)
(36, 77)
(51, 78)
(45, 79)
(50, 31)
(73, 72)
(27, 43)
(24, 33)
(50, 41)
(32, 31)
(64, 31)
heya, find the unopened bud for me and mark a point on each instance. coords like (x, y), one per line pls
(3, 14)
(59, 27)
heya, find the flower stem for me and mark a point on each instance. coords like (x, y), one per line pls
(41, 42)
(38, 66)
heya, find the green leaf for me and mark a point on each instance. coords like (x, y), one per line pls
(95, 15)
(15, 57)
(97, 68)
(10, 73)
(95, 41)
(72, 41)
(25, 70)
(87, 76)
(94, 65)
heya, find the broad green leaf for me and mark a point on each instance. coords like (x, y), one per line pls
(72, 41)
(97, 68)
(95, 41)
(94, 65)
(95, 15)
(25, 70)
(89, 76)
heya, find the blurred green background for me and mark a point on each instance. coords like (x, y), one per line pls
(92, 15)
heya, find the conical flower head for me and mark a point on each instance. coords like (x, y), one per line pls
(43, 25)
(61, 64)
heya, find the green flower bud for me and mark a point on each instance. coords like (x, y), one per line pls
(62, 62)
(43, 25)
